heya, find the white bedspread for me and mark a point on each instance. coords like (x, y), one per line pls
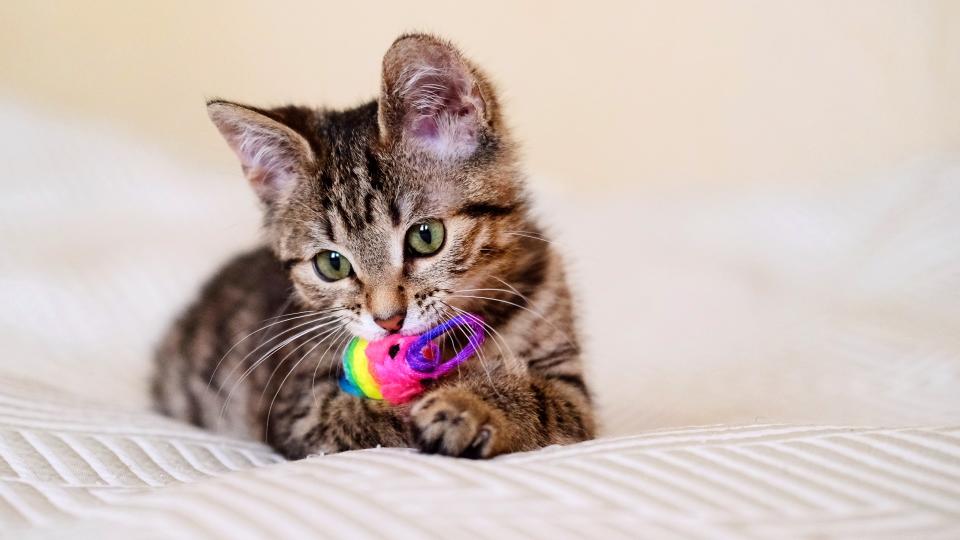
(811, 333)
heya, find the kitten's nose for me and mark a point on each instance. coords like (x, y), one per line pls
(392, 324)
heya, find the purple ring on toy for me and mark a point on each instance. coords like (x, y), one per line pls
(432, 363)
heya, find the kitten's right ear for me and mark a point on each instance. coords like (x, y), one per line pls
(272, 155)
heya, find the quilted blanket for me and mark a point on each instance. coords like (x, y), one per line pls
(769, 362)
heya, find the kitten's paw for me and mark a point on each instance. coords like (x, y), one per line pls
(453, 422)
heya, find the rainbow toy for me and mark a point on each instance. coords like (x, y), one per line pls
(392, 368)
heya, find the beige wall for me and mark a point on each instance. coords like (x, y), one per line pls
(602, 93)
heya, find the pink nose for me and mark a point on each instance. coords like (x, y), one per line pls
(392, 324)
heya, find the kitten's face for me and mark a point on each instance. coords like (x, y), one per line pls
(396, 214)
(393, 242)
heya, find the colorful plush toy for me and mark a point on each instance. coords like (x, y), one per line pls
(392, 368)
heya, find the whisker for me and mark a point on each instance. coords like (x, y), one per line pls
(448, 341)
(500, 300)
(497, 337)
(338, 370)
(294, 368)
(274, 338)
(482, 357)
(565, 335)
(289, 354)
(538, 314)
(515, 293)
(514, 289)
(451, 343)
(444, 315)
(530, 236)
(537, 233)
(260, 360)
(343, 336)
(315, 311)
(292, 317)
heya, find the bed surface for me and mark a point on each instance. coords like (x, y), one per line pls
(771, 362)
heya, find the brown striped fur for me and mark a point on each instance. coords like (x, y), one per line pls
(257, 353)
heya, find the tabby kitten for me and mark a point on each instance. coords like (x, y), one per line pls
(389, 217)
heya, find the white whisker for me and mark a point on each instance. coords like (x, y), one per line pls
(320, 318)
(497, 337)
(260, 360)
(328, 337)
(292, 316)
(514, 289)
(530, 236)
(482, 358)
(343, 335)
(289, 354)
(537, 313)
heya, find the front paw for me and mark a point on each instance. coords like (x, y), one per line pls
(454, 422)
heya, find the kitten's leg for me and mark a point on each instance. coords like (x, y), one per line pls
(478, 419)
(324, 419)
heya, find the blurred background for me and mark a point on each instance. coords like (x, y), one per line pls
(605, 95)
(775, 185)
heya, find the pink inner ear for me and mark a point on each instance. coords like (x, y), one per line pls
(425, 127)
(267, 158)
(428, 127)
(442, 110)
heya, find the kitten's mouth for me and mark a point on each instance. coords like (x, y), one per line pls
(418, 328)
(374, 335)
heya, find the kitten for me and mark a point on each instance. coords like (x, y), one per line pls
(389, 217)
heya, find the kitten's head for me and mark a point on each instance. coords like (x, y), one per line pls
(396, 212)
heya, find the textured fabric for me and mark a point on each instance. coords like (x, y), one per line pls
(87, 472)
(814, 330)
(60, 457)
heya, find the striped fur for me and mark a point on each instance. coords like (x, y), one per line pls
(257, 353)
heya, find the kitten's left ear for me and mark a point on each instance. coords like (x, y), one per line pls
(273, 155)
(434, 100)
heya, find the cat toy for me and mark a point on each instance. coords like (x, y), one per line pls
(393, 368)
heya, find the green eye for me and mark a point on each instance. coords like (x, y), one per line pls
(331, 266)
(425, 238)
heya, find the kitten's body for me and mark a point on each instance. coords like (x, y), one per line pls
(432, 147)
